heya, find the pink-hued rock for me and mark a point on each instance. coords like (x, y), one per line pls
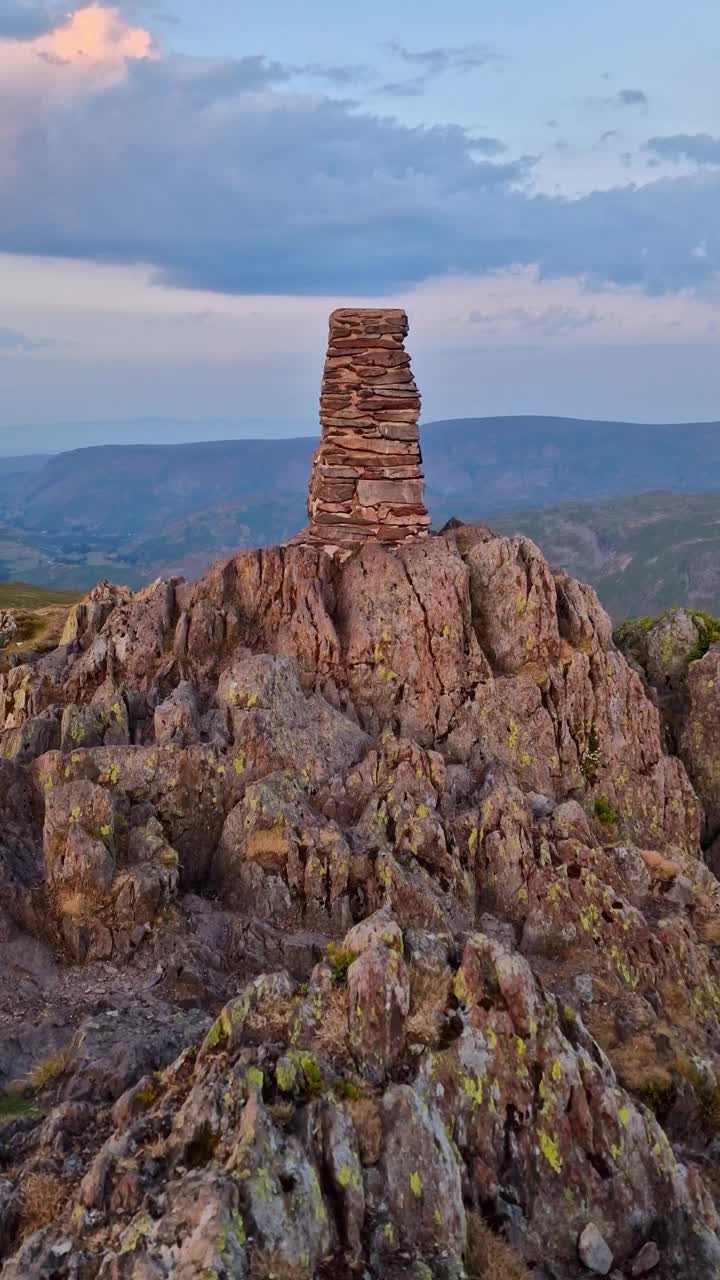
(406, 817)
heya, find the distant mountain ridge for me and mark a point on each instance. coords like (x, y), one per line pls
(643, 554)
(131, 512)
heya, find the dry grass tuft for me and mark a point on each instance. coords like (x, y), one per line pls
(365, 1115)
(42, 1196)
(272, 1020)
(70, 902)
(331, 1035)
(264, 1265)
(428, 1003)
(489, 1257)
(50, 1069)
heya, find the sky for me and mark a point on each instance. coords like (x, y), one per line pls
(187, 190)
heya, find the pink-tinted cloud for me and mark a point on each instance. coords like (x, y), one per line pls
(90, 45)
(98, 35)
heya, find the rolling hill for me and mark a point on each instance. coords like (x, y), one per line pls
(643, 554)
(131, 512)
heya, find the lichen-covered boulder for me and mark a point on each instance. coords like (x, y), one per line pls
(378, 1005)
(276, 857)
(82, 823)
(177, 719)
(277, 726)
(32, 738)
(422, 1209)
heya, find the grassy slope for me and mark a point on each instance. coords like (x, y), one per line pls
(23, 595)
(40, 614)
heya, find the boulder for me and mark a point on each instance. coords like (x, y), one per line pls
(594, 1252)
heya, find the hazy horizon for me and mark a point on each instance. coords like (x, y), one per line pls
(40, 438)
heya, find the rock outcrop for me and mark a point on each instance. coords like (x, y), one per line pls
(352, 911)
(367, 479)
(678, 655)
(8, 627)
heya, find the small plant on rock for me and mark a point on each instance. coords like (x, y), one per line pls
(590, 762)
(709, 633)
(605, 812)
(340, 959)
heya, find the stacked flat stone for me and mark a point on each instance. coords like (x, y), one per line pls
(367, 478)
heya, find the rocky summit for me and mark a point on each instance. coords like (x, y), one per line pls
(354, 921)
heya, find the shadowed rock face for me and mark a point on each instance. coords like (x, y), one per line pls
(367, 479)
(347, 900)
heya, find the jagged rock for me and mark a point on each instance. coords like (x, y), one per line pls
(277, 856)
(422, 1194)
(684, 681)
(32, 738)
(139, 893)
(8, 627)
(669, 645)
(699, 741)
(82, 726)
(275, 726)
(280, 1195)
(406, 819)
(341, 1157)
(177, 718)
(86, 618)
(204, 1228)
(110, 701)
(115, 1047)
(378, 1004)
(81, 821)
(188, 790)
(514, 604)
(40, 1257)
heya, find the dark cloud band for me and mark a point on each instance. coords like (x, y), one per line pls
(220, 176)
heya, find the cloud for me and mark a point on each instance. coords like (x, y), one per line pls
(12, 340)
(338, 74)
(430, 63)
(437, 61)
(549, 322)
(700, 148)
(413, 88)
(632, 98)
(222, 175)
(492, 147)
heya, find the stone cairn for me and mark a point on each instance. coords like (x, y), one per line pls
(367, 479)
